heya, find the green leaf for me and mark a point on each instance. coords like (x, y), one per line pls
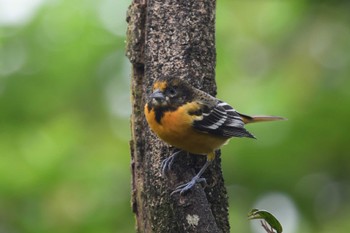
(268, 217)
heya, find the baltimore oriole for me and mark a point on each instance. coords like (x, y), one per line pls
(194, 121)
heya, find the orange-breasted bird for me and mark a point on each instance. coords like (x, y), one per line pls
(193, 121)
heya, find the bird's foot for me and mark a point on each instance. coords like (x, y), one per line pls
(184, 188)
(168, 162)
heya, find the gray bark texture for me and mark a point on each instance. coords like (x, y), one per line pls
(172, 38)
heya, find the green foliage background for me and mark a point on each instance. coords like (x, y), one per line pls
(64, 115)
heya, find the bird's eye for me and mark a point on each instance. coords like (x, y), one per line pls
(172, 91)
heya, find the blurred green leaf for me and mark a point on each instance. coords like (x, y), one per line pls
(266, 216)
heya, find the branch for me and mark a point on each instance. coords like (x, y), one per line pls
(172, 38)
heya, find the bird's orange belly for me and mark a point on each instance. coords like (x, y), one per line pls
(176, 130)
(196, 143)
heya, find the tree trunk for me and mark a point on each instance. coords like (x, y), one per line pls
(172, 38)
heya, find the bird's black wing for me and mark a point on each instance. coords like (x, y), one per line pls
(221, 120)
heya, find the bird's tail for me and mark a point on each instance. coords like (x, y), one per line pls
(252, 119)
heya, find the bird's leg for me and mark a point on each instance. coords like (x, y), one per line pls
(182, 189)
(168, 162)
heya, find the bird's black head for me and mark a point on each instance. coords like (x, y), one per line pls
(170, 93)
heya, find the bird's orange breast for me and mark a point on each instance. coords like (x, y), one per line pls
(175, 128)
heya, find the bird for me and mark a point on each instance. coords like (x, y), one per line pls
(192, 120)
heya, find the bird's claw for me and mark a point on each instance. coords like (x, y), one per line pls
(166, 165)
(168, 162)
(184, 188)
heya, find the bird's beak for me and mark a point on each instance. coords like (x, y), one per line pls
(157, 95)
(157, 98)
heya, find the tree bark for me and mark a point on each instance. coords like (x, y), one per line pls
(172, 38)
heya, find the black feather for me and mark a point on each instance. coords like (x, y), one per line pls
(221, 120)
